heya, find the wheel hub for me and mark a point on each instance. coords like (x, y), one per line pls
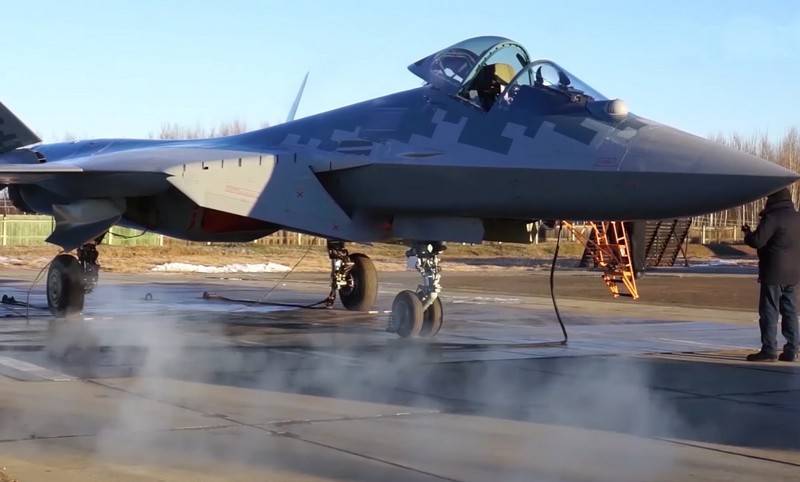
(54, 285)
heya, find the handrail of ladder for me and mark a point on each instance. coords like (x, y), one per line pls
(614, 265)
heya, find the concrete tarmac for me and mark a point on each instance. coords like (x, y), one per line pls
(156, 383)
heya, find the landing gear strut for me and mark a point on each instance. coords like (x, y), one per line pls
(90, 269)
(353, 276)
(420, 313)
(70, 278)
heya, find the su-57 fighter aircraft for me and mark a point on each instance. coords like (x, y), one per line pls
(491, 142)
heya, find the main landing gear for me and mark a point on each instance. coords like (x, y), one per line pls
(70, 278)
(353, 277)
(420, 313)
(414, 313)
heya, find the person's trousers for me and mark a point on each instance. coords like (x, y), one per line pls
(778, 300)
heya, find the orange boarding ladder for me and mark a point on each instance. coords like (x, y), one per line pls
(611, 253)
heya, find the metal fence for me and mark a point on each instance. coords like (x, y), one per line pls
(710, 235)
(32, 230)
(23, 230)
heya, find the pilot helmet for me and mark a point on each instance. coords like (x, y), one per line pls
(503, 73)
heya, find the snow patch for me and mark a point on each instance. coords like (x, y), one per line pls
(228, 268)
(7, 260)
(714, 263)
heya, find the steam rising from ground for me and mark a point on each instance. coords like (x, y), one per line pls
(609, 394)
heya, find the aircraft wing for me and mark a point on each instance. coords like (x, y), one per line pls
(272, 185)
(34, 173)
(13, 133)
(277, 187)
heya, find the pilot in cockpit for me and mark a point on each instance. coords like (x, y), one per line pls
(489, 83)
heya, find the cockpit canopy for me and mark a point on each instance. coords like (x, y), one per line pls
(455, 67)
(483, 70)
(545, 74)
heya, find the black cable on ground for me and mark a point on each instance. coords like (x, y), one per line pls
(9, 301)
(552, 284)
(313, 306)
(262, 301)
(28, 296)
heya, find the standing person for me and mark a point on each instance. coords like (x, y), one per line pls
(777, 240)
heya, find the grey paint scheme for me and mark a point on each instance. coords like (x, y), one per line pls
(13, 133)
(426, 158)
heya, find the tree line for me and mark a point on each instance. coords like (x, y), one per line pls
(172, 130)
(784, 150)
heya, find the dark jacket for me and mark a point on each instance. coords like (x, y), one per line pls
(777, 240)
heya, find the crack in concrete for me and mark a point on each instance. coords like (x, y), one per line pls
(95, 434)
(311, 421)
(286, 434)
(724, 451)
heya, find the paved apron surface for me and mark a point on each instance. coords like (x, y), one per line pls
(181, 388)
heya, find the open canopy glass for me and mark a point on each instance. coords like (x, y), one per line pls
(453, 69)
(549, 76)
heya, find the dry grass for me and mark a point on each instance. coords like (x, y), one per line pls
(4, 477)
(387, 257)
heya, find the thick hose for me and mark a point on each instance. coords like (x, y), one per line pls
(263, 299)
(552, 284)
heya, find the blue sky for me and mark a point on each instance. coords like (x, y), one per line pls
(121, 69)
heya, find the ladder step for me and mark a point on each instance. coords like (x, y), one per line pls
(607, 247)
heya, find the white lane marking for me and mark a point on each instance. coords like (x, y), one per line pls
(700, 343)
(482, 300)
(34, 370)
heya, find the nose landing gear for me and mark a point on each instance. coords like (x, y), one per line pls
(420, 313)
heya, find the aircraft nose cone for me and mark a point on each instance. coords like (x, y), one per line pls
(699, 176)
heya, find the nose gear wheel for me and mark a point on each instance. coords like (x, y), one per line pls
(420, 313)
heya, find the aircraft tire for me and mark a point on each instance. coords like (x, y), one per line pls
(65, 293)
(364, 292)
(432, 319)
(407, 314)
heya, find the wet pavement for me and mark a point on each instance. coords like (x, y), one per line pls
(157, 383)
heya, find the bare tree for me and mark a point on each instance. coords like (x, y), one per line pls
(232, 128)
(177, 131)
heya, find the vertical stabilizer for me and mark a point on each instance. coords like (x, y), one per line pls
(13, 133)
(296, 102)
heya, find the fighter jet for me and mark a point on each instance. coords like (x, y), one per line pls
(491, 142)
